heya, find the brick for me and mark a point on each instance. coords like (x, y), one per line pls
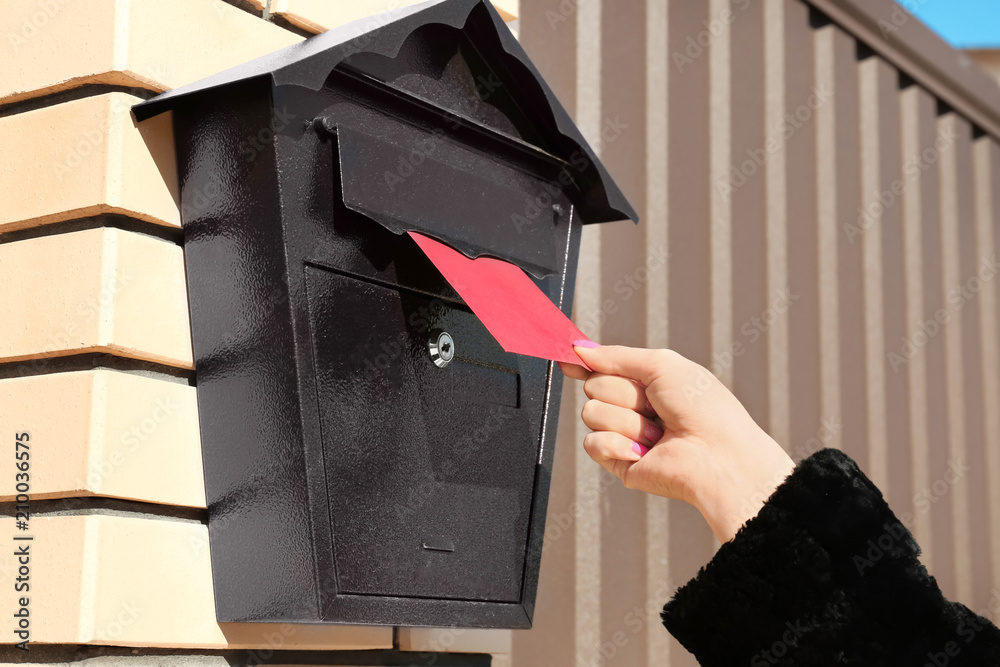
(133, 581)
(52, 45)
(86, 157)
(104, 433)
(97, 290)
(319, 15)
(455, 640)
(508, 9)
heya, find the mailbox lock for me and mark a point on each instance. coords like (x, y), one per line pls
(442, 347)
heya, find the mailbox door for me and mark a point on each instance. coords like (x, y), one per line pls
(430, 470)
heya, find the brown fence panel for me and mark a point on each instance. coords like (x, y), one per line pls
(950, 220)
(850, 257)
(801, 115)
(885, 294)
(689, 278)
(624, 276)
(973, 270)
(773, 145)
(987, 185)
(550, 36)
(744, 340)
(921, 354)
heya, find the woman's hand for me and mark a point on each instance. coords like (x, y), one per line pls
(667, 426)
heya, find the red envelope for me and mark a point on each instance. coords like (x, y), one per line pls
(503, 297)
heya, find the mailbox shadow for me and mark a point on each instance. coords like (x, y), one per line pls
(158, 135)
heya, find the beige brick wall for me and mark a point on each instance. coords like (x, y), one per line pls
(96, 290)
(58, 44)
(84, 158)
(131, 581)
(105, 433)
(96, 364)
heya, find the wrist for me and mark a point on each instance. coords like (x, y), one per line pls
(727, 512)
(738, 494)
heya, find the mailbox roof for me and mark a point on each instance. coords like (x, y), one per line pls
(311, 61)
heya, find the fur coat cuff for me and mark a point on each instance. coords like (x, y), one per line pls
(825, 574)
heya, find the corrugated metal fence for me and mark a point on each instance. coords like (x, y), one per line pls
(818, 185)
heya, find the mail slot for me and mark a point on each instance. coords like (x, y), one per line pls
(372, 454)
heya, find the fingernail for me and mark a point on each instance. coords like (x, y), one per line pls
(639, 449)
(586, 343)
(652, 433)
(649, 407)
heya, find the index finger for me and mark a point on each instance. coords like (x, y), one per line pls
(635, 363)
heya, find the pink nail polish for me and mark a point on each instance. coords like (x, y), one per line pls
(586, 343)
(649, 407)
(652, 433)
(639, 449)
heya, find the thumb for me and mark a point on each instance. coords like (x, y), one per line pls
(629, 362)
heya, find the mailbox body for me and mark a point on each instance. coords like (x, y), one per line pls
(349, 478)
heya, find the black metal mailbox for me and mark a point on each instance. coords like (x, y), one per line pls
(371, 454)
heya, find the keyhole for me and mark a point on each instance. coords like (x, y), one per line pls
(442, 348)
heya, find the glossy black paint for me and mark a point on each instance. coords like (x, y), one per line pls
(350, 479)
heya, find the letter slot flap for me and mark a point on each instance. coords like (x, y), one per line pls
(404, 187)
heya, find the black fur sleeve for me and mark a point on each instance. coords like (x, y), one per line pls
(826, 575)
